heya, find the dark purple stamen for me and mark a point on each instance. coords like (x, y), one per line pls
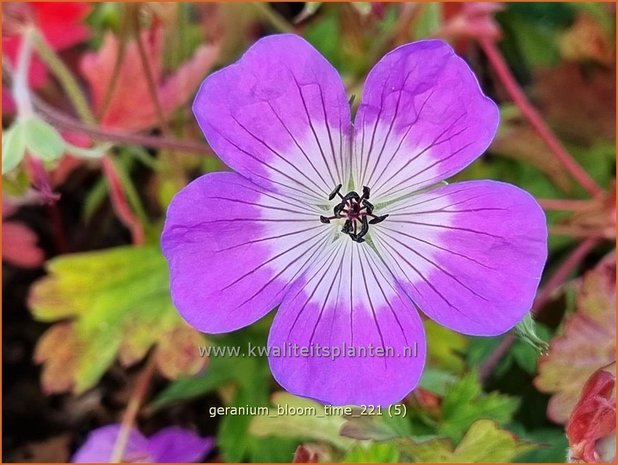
(355, 209)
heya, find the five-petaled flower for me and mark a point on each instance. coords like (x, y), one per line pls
(349, 228)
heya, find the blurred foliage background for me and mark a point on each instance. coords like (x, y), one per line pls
(98, 136)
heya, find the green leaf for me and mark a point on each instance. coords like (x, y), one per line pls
(444, 347)
(385, 452)
(465, 403)
(552, 444)
(117, 304)
(295, 417)
(483, 442)
(43, 140)
(13, 147)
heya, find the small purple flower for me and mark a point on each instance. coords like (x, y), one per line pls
(350, 228)
(170, 445)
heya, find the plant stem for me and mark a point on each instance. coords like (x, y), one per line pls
(130, 414)
(564, 204)
(120, 53)
(119, 201)
(64, 121)
(20, 90)
(517, 94)
(66, 78)
(543, 297)
(150, 79)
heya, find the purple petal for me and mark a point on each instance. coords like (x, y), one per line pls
(348, 299)
(233, 249)
(280, 117)
(422, 118)
(469, 254)
(178, 445)
(100, 442)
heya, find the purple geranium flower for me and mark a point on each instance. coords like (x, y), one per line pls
(170, 445)
(350, 228)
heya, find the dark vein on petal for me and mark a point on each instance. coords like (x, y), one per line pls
(274, 258)
(313, 247)
(390, 128)
(284, 159)
(436, 142)
(315, 327)
(262, 162)
(373, 311)
(442, 226)
(264, 239)
(386, 243)
(291, 201)
(438, 247)
(405, 136)
(315, 135)
(369, 256)
(315, 289)
(327, 190)
(330, 138)
(443, 270)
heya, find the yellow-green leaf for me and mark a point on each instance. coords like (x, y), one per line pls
(483, 442)
(118, 304)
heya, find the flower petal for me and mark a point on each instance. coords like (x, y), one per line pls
(470, 254)
(178, 445)
(348, 299)
(233, 248)
(422, 118)
(100, 443)
(280, 117)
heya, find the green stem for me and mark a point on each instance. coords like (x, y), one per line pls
(65, 77)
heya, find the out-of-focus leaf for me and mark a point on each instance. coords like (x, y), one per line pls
(19, 245)
(551, 444)
(131, 106)
(592, 425)
(118, 304)
(588, 342)
(587, 115)
(444, 347)
(586, 40)
(465, 403)
(436, 380)
(385, 452)
(484, 441)
(294, 417)
(13, 147)
(42, 139)
(378, 426)
(518, 141)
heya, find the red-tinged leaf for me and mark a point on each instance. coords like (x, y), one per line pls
(60, 23)
(131, 106)
(117, 305)
(593, 419)
(588, 342)
(19, 245)
(57, 351)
